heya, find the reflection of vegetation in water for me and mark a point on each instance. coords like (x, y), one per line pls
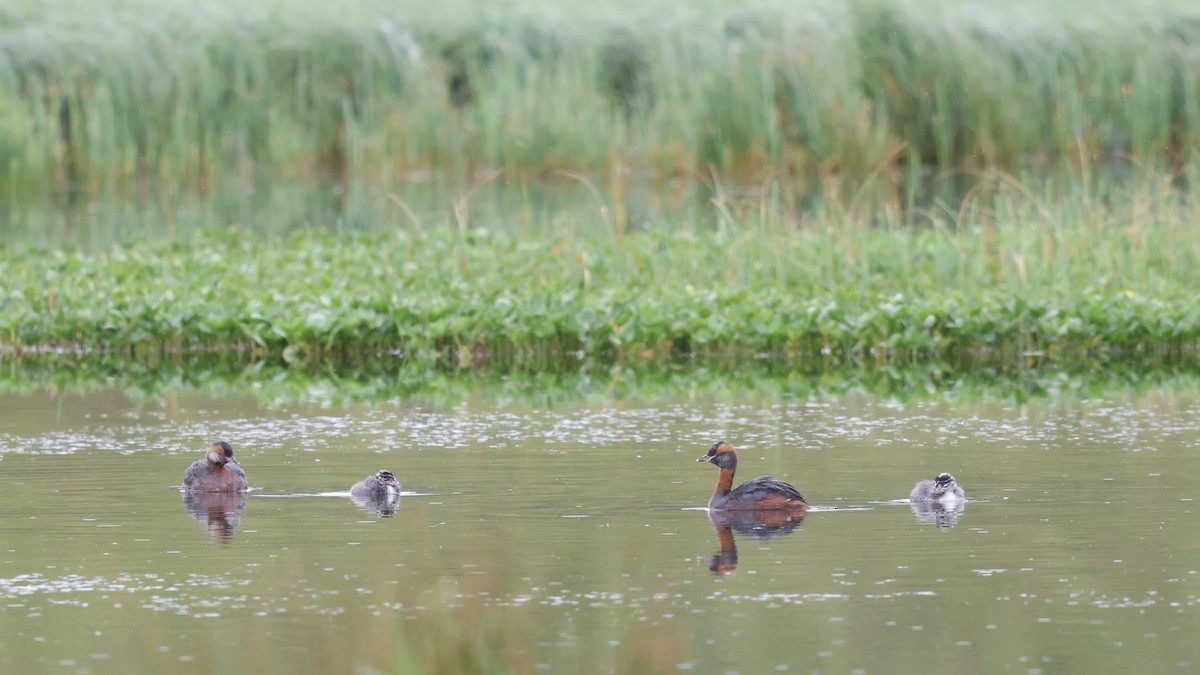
(691, 380)
(450, 639)
(451, 635)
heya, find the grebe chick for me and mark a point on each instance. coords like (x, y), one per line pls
(217, 472)
(942, 489)
(380, 486)
(762, 493)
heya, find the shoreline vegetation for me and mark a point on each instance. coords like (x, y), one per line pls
(884, 183)
(1075, 289)
(834, 95)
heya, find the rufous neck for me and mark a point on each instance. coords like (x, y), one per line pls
(724, 483)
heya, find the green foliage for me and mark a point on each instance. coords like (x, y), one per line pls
(989, 290)
(118, 94)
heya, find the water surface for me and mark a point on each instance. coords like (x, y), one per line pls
(570, 537)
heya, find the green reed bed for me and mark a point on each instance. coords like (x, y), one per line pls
(106, 95)
(1011, 280)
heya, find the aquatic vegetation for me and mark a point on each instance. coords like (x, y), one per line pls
(961, 183)
(838, 94)
(1118, 287)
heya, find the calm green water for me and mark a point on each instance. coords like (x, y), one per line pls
(569, 537)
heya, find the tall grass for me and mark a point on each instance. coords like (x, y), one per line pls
(111, 95)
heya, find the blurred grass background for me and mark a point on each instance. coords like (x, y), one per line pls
(832, 93)
(856, 179)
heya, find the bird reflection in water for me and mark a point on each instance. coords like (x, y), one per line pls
(219, 511)
(760, 525)
(944, 515)
(385, 504)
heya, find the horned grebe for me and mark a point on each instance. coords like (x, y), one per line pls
(762, 493)
(217, 472)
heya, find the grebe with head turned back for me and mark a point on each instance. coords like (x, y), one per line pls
(379, 486)
(217, 472)
(942, 489)
(762, 493)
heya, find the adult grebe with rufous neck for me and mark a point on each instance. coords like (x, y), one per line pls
(762, 493)
(217, 472)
